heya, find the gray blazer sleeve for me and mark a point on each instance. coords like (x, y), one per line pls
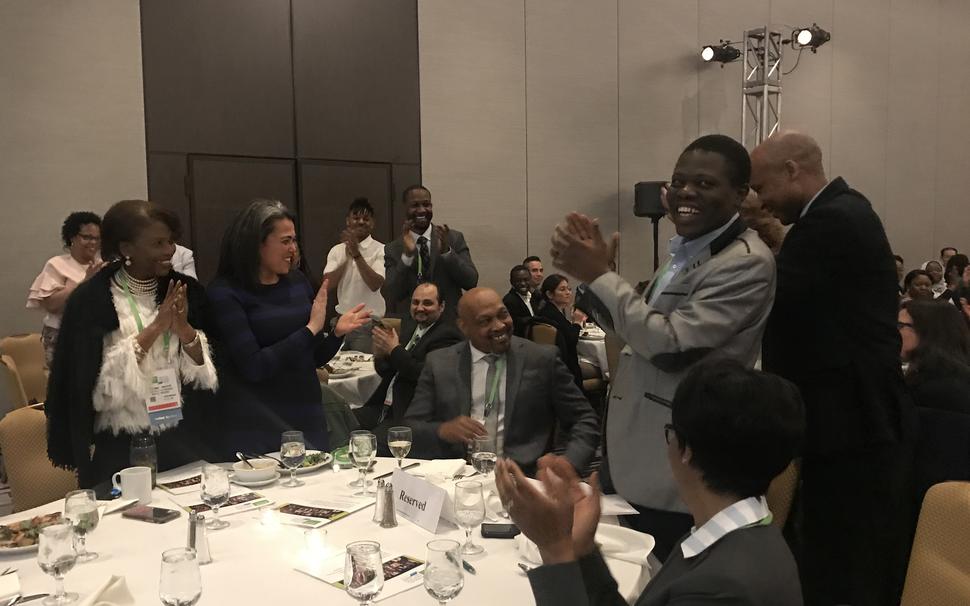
(458, 262)
(575, 414)
(586, 582)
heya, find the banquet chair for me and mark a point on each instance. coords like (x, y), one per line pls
(28, 352)
(32, 478)
(939, 564)
(781, 493)
(543, 334)
(14, 388)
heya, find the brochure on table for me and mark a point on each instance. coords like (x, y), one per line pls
(314, 513)
(401, 572)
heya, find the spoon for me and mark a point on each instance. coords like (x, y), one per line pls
(252, 456)
(243, 458)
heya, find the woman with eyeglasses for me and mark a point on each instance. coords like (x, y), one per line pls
(81, 233)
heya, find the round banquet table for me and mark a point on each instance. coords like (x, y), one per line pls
(357, 386)
(593, 351)
(253, 563)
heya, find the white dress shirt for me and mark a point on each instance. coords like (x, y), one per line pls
(352, 290)
(682, 252)
(527, 299)
(479, 393)
(809, 205)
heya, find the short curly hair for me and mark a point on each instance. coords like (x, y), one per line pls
(74, 222)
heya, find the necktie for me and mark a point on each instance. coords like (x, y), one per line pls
(528, 303)
(493, 397)
(424, 259)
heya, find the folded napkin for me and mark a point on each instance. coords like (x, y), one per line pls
(9, 586)
(114, 592)
(439, 470)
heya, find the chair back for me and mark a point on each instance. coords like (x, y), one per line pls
(13, 387)
(394, 323)
(543, 334)
(32, 478)
(939, 565)
(614, 344)
(28, 352)
(781, 493)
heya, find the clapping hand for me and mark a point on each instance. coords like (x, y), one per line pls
(93, 268)
(407, 238)
(318, 312)
(441, 233)
(578, 248)
(166, 309)
(350, 243)
(352, 320)
(385, 340)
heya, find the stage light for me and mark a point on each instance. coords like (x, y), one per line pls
(722, 53)
(810, 37)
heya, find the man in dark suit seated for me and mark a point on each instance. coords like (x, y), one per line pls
(732, 430)
(499, 385)
(519, 299)
(399, 365)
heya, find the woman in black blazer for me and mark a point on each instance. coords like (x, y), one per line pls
(556, 302)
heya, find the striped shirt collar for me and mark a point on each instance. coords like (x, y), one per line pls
(749, 512)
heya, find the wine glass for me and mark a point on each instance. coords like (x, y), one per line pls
(470, 512)
(350, 446)
(399, 441)
(81, 508)
(363, 448)
(443, 578)
(56, 556)
(483, 454)
(179, 583)
(215, 492)
(292, 453)
(363, 571)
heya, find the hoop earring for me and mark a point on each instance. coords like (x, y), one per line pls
(127, 261)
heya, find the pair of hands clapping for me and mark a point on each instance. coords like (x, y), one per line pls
(350, 321)
(440, 235)
(173, 312)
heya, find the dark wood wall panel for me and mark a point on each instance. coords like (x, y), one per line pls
(167, 187)
(221, 187)
(403, 175)
(356, 79)
(218, 76)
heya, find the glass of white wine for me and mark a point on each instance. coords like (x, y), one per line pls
(443, 577)
(56, 556)
(470, 512)
(215, 492)
(179, 582)
(483, 454)
(81, 508)
(363, 571)
(363, 449)
(399, 442)
(292, 453)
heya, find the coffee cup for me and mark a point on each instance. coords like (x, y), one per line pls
(134, 483)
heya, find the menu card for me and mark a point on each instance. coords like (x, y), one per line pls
(401, 572)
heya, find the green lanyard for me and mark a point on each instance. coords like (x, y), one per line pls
(491, 397)
(134, 311)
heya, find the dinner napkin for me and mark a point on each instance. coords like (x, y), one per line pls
(114, 592)
(439, 470)
(9, 586)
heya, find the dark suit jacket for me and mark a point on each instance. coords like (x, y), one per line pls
(832, 330)
(538, 391)
(452, 272)
(748, 567)
(519, 311)
(942, 398)
(567, 337)
(407, 365)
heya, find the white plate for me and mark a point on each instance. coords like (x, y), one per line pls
(9, 551)
(327, 459)
(341, 372)
(257, 483)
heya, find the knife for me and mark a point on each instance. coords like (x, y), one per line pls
(31, 598)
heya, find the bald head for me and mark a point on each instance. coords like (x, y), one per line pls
(485, 322)
(786, 172)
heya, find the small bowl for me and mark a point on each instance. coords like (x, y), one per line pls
(263, 469)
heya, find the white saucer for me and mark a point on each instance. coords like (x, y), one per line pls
(257, 483)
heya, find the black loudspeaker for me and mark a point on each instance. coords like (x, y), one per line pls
(646, 199)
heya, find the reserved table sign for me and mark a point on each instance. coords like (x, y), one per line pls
(418, 500)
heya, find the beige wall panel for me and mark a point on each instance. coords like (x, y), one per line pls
(911, 158)
(571, 96)
(658, 56)
(472, 57)
(952, 199)
(72, 128)
(860, 105)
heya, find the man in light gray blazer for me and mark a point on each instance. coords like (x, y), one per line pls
(712, 295)
(499, 385)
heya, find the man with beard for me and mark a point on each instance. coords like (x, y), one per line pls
(427, 253)
(498, 385)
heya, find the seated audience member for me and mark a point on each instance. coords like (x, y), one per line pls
(918, 285)
(556, 310)
(268, 326)
(399, 360)
(900, 272)
(183, 261)
(732, 431)
(534, 265)
(953, 273)
(519, 299)
(936, 349)
(81, 233)
(355, 268)
(945, 253)
(935, 269)
(132, 324)
(498, 385)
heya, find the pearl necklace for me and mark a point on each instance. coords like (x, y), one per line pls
(139, 287)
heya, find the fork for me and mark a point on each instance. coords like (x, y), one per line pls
(461, 475)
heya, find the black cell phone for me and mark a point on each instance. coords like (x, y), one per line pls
(500, 531)
(147, 513)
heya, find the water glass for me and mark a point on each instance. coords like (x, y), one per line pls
(179, 582)
(470, 512)
(399, 443)
(357, 432)
(484, 454)
(56, 556)
(142, 453)
(363, 571)
(363, 449)
(81, 508)
(215, 492)
(292, 453)
(443, 576)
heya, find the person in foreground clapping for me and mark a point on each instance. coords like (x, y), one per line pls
(733, 429)
(269, 337)
(125, 328)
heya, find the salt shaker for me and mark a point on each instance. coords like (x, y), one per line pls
(379, 504)
(198, 540)
(385, 495)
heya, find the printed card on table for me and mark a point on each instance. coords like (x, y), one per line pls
(241, 502)
(315, 514)
(401, 572)
(192, 483)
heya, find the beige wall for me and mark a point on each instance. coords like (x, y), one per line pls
(72, 128)
(532, 108)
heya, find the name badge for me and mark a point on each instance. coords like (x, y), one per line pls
(418, 500)
(165, 402)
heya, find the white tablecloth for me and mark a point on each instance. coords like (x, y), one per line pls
(253, 563)
(358, 386)
(594, 352)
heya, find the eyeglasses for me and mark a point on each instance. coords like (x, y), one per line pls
(902, 325)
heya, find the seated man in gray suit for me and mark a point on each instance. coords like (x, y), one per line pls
(712, 295)
(499, 385)
(733, 429)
